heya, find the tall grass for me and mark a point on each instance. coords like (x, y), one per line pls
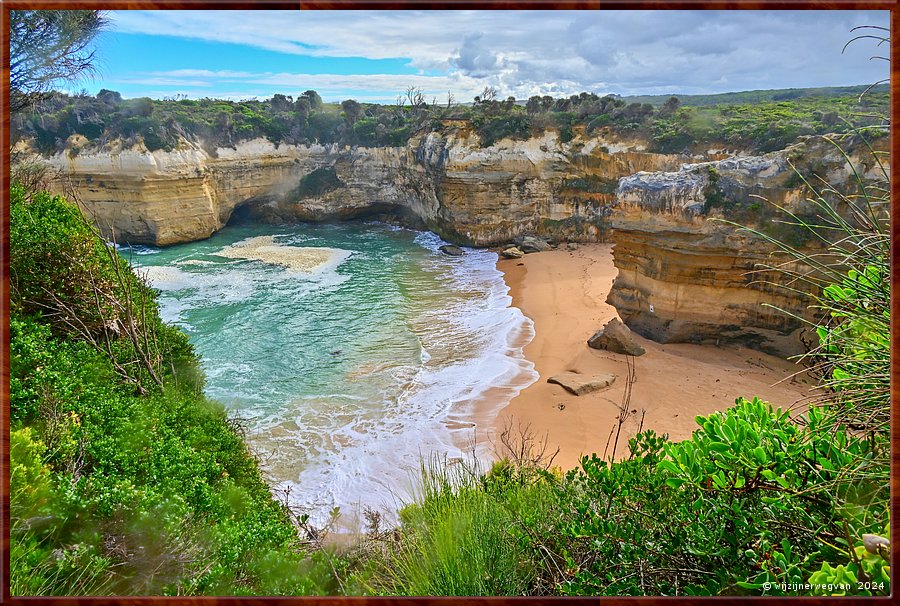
(469, 535)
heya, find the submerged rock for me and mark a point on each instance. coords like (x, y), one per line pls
(512, 253)
(580, 384)
(617, 338)
(450, 249)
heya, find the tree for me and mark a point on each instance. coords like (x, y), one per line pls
(47, 47)
(352, 110)
(315, 101)
(302, 106)
(416, 96)
(280, 103)
(489, 94)
(109, 97)
(670, 106)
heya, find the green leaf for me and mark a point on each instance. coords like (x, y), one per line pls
(721, 447)
(747, 585)
(674, 482)
(759, 454)
(670, 466)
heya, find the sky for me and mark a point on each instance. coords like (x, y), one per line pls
(374, 56)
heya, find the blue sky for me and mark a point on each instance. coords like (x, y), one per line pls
(376, 55)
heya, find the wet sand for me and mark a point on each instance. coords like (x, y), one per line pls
(564, 293)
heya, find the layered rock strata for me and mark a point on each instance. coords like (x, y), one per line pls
(445, 182)
(686, 274)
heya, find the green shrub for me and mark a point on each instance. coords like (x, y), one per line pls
(115, 490)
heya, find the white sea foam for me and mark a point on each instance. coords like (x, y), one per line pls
(335, 447)
(374, 462)
(305, 259)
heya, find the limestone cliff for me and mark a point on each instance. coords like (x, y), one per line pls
(444, 181)
(681, 276)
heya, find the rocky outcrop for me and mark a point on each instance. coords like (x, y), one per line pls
(685, 278)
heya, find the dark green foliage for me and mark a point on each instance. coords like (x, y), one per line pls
(712, 194)
(113, 490)
(726, 511)
(63, 272)
(493, 128)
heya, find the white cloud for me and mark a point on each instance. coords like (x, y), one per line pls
(535, 52)
(331, 86)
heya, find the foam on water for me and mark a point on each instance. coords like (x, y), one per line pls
(352, 350)
(379, 467)
(302, 259)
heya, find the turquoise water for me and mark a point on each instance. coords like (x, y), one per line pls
(352, 350)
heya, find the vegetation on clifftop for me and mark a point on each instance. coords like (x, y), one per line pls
(742, 123)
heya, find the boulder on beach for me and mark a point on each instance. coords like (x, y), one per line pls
(571, 246)
(617, 338)
(580, 384)
(450, 249)
(512, 253)
(530, 244)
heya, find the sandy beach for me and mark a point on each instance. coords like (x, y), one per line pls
(564, 293)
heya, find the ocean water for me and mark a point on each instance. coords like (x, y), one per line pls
(352, 350)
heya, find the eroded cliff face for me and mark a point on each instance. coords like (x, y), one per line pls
(446, 182)
(685, 276)
(681, 276)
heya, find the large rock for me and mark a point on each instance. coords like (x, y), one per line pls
(530, 244)
(512, 253)
(580, 384)
(450, 249)
(617, 338)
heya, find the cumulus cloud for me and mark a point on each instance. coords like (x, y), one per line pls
(556, 52)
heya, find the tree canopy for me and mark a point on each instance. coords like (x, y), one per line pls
(47, 47)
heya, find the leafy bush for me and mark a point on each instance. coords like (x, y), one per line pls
(63, 272)
(751, 121)
(115, 490)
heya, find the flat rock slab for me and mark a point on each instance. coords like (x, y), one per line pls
(453, 251)
(579, 384)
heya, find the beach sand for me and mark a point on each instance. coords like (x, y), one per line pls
(564, 293)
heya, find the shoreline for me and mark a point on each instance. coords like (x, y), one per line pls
(564, 294)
